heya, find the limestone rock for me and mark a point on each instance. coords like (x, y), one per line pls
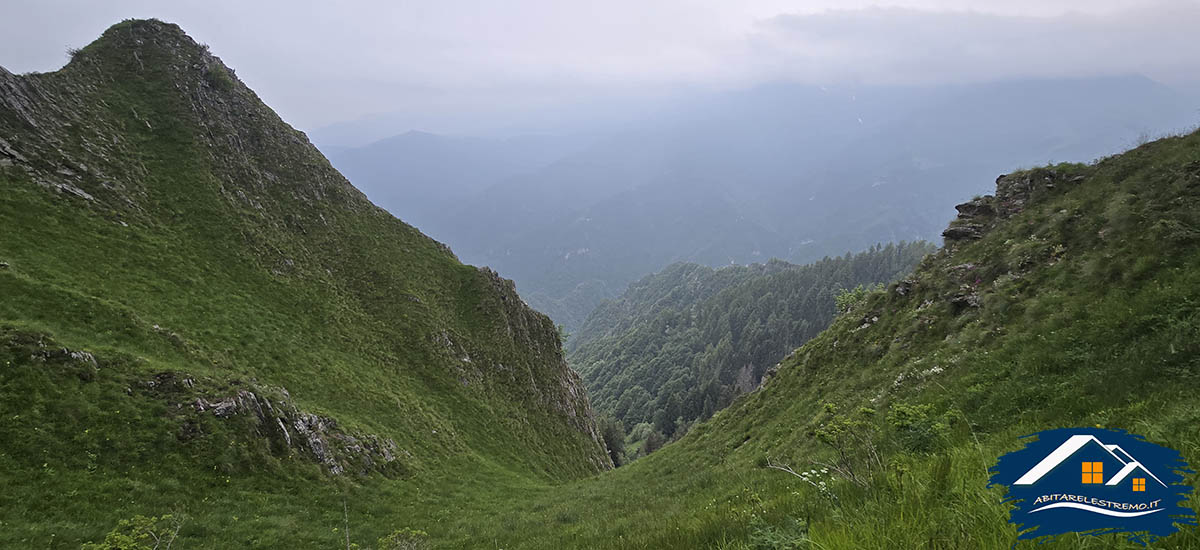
(316, 437)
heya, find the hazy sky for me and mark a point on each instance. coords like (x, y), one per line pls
(445, 65)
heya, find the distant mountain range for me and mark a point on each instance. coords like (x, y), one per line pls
(788, 171)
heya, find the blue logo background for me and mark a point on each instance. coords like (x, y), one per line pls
(1051, 485)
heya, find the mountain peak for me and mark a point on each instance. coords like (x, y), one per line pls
(150, 49)
(146, 182)
(132, 34)
(147, 81)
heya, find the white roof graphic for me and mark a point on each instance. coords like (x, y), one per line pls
(1073, 444)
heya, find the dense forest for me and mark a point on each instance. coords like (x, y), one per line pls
(683, 343)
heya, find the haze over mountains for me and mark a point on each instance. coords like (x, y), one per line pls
(787, 171)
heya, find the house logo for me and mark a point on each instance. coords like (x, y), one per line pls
(1095, 481)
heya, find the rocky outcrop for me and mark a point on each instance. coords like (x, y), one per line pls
(59, 145)
(556, 385)
(978, 208)
(974, 218)
(745, 381)
(965, 297)
(267, 415)
(1014, 192)
(314, 437)
(271, 416)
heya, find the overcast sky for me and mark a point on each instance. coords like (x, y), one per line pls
(438, 65)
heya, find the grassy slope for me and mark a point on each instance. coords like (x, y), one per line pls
(218, 244)
(1088, 316)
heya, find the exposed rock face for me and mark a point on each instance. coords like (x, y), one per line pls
(979, 207)
(974, 218)
(65, 130)
(49, 133)
(317, 438)
(768, 375)
(47, 352)
(557, 386)
(271, 416)
(1013, 193)
(963, 232)
(966, 297)
(745, 381)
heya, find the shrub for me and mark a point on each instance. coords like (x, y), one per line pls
(614, 438)
(852, 438)
(847, 300)
(641, 431)
(219, 77)
(916, 427)
(140, 533)
(654, 442)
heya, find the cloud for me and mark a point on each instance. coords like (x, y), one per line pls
(906, 46)
(457, 65)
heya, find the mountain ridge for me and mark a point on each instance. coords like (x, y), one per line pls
(192, 281)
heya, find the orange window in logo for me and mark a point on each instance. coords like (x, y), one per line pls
(1139, 484)
(1093, 472)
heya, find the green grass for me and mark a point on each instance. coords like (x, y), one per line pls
(242, 263)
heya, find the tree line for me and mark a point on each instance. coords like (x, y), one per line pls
(681, 344)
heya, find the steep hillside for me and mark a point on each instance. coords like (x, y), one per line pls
(1068, 298)
(681, 344)
(200, 313)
